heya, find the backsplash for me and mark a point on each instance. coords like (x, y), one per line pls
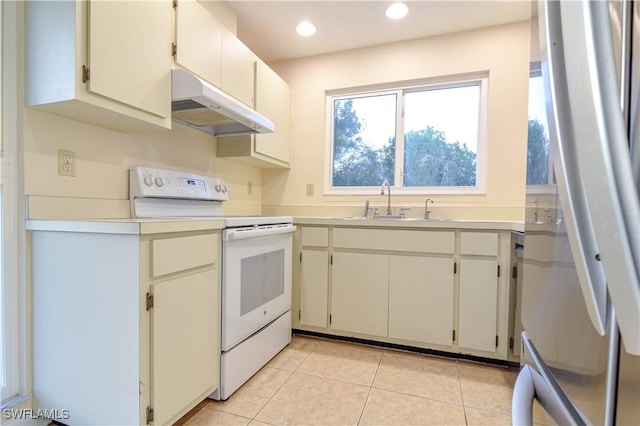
(100, 188)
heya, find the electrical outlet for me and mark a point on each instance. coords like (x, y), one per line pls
(309, 190)
(249, 188)
(66, 163)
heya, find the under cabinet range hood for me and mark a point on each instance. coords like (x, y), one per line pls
(200, 105)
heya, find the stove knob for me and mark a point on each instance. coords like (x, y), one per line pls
(160, 182)
(148, 180)
(218, 188)
(224, 189)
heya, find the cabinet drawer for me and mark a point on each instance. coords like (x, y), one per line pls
(315, 237)
(178, 254)
(395, 240)
(480, 243)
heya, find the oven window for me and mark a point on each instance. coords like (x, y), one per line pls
(261, 280)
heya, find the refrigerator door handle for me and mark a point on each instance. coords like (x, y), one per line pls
(600, 142)
(523, 397)
(571, 189)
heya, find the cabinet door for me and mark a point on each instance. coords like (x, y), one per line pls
(198, 41)
(359, 293)
(478, 304)
(185, 341)
(273, 100)
(238, 75)
(314, 287)
(421, 299)
(128, 45)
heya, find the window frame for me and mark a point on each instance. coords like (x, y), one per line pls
(400, 88)
(14, 290)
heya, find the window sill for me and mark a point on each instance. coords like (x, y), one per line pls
(418, 191)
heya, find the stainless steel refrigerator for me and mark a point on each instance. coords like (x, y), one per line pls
(580, 355)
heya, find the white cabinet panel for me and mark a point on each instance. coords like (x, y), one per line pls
(315, 236)
(395, 240)
(178, 254)
(479, 243)
(237, 76)
(128, 60)
(198, 41)
(421, 299)
(314, 284)
(273, 100)
(185, 332)
(359, 293)
(478, 304)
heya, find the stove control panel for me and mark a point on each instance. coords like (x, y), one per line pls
(149, 182)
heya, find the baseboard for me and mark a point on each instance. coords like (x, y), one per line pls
(444, 354)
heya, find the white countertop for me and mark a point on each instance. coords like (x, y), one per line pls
(126, 226)
(411, 223)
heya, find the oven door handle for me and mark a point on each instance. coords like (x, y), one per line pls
(241, 234)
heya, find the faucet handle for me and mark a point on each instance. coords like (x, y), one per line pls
(376, 212)
(402, 210)
(548, 212)
(426, 206)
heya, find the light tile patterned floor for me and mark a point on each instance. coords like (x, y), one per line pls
(322, 382)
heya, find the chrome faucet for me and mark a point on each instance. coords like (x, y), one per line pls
(386, 183)
(426, 206)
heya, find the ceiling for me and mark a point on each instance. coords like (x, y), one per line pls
(268, 27)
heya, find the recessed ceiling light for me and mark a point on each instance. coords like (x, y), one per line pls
(306, 28)
(397, 10)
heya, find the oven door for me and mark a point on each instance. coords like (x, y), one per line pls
(256, 279)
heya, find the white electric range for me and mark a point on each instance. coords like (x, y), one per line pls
(255, 273)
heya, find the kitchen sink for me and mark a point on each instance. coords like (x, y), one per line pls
(394, 218)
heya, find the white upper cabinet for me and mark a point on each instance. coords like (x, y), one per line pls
(266, 150)
(104, 63)
(198, 41)
(273, 100)
(237, 74)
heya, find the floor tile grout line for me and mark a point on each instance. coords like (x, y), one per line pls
(366, 400)
(291, 373)
(419, 396)
(271, 397)
(464, 407)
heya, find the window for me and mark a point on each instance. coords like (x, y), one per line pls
(421, 138)
(539, 168)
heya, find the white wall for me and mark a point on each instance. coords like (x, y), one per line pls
(503, 51)
(100, 188)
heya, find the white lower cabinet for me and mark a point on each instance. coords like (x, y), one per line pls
(125, 324)
(185, 334)
(478, 304)
(314, 285)
(359, 293)
(421, 299)
(434, 289)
